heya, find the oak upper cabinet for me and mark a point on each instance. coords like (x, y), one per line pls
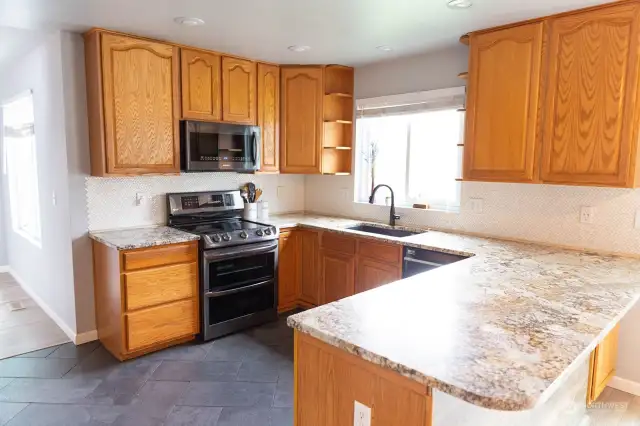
(133, 105)
(288, 271)
(591, 112)
(602, 366)
(309, 250)
(238, 90)
(502, 104)
(269, 116)
(301, 120)
(201, 85)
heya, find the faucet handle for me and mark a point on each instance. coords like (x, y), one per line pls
(395, 216)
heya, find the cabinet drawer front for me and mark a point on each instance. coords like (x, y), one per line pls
(160, 324)
(338, 243)
(388, 253)
(160, 285)
(159, 256)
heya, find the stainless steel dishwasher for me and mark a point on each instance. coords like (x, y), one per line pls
(416, 260)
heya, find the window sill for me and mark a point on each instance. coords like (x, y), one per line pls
(454, 210)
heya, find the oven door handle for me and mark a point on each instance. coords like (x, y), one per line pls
(237, 290)
(241, 251)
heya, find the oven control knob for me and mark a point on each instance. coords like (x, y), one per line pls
(259, 233)
(226, 237)
(216, 238)
(244, 235)
(267, 231)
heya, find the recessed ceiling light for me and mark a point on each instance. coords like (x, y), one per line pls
(297, 48)
(188, 22)
(459, 4)
(385, 48)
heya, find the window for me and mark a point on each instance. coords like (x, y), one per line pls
(411, 143)
(20, 166)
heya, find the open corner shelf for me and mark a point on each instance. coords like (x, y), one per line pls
(463, 75)
(339, 148)
(339, 95)
(339, 121)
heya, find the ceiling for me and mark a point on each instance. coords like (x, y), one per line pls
(338, 31)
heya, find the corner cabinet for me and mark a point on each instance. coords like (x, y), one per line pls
(238, 90)
(269, 116)
(592, 108)
(301, 120)
(133, 115)
(201, 85)
(502, 104)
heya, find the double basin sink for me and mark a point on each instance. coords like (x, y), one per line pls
(391, 232)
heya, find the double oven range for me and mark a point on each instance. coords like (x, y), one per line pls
(238, 260)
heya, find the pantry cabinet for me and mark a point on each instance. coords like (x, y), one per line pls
(301, 119)
(133, 105)
(269, 116)
(592, 108)
(239, 90)
(201, 85)
(502, 104)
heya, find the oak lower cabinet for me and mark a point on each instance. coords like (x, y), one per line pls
(239, 90)
(301, 129)
(133, 105)
(269, 116)
(288, 270)
(602, 366)
(373, 274)
(502, 104)
(592, 109)
(338, 275)
(201, 85)
(146, 299)
(309, 249)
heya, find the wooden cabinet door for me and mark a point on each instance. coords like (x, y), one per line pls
(603, 364)
(502, 104)
(338, 273)
(372, 274)
(201, 85)
(269, 116)
(302, 126)
(141, 106)
(238, 90)
(591, 126)
(287, 270)
(309, 279)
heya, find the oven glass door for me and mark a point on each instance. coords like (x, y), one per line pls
(240, 272)
(248, 300)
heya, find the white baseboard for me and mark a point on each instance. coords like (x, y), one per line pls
(4, 268)
(87, 336)
(625, 385)
(50, 312)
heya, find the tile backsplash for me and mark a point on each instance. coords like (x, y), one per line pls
(111, 202)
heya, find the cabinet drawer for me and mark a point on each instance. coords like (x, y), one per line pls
(159, 256)
(389, 253)
(160, 324)
(159, 285)
(338, 243)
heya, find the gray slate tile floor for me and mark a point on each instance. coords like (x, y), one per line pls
(245, 379)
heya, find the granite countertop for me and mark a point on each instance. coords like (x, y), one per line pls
(134, 238)
(502, 329)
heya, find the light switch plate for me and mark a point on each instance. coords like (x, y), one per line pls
(361, 414)
(587, 214)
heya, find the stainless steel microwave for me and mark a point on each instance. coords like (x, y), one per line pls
(215, 147)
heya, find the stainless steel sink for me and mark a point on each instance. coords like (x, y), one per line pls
(398, 233)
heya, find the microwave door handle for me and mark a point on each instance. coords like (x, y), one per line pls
(254, 142)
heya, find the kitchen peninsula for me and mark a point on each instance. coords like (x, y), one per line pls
(503, 337)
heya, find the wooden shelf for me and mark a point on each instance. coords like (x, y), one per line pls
(465, 39)
(461, 110)
(339, 121)
(460, 144)
(337, 174)
(340, 148)
(340, 95)
(463, 75)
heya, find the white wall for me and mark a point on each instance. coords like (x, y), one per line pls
(542, 213)
(46, 272)
(3, 239)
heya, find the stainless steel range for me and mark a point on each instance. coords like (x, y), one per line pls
(238, 260)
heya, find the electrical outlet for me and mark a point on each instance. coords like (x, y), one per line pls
(477, 205)
(141, 198)
(361, 414)
(587, 214)
(637, 219)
